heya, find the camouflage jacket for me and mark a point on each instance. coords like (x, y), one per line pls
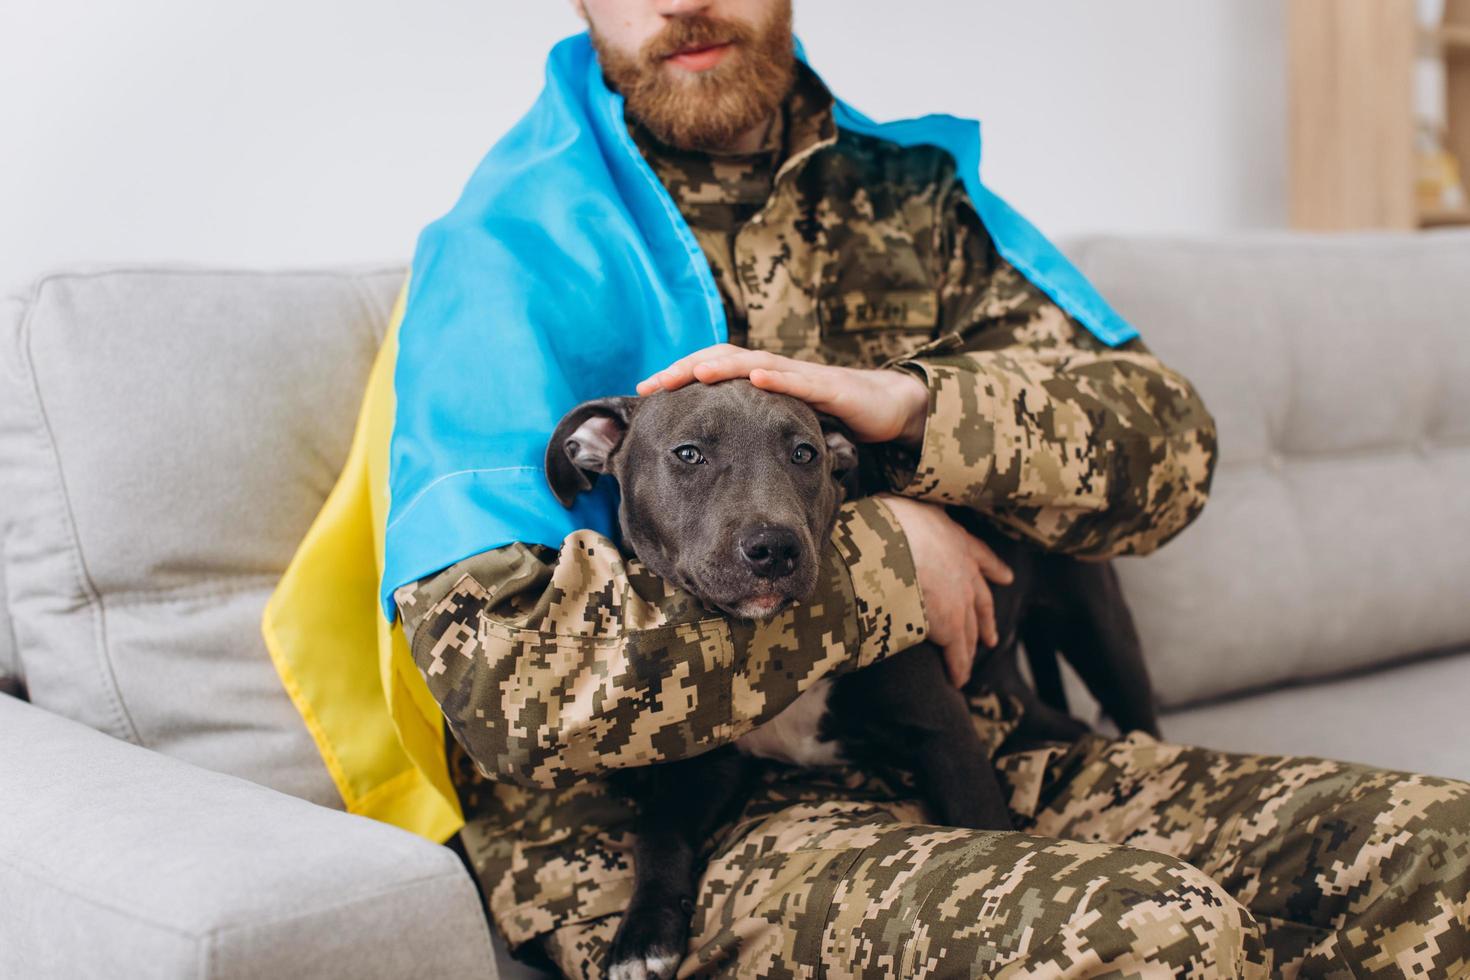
(553, 667)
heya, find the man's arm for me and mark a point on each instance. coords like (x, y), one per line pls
(552, 666)
(1089, 450)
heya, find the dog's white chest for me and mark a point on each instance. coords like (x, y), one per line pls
(792, 736)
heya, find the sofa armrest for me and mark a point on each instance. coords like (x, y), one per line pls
(118, 861)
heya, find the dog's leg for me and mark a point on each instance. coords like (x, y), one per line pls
(1022, 617)
(679, 805)
(904, 708)
(958, 779)
(1038, 635)
(1040, 722)
(1097, 636)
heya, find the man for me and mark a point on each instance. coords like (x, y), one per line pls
(858, 274)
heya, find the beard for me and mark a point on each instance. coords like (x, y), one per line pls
(712, 108)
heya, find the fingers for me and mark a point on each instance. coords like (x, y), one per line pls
(738, 365)
(812, 383)
(671, 378)
(956, 664)
(811, 388)
(985, 614)
(990, 564)
(959, 654)
(681, 372)
(990, 567)
(718, 363)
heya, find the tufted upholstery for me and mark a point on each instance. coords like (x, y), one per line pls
(166, 437)
(1338, 532)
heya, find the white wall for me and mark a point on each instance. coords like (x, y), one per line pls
(285, 132)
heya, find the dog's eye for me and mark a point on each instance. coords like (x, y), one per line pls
(803, 454)
(689, 454)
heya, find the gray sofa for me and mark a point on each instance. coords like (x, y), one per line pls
(166, 436)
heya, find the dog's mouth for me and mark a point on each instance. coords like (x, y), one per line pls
(762, 605)
(759, 604)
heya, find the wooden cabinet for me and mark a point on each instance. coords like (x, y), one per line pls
(1352, 111)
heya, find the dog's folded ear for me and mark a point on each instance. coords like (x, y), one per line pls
(842, 453)
(584, 440)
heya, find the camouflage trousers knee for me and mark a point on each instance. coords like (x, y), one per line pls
(1135, 858)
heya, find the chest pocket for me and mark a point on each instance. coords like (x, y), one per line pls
(906, 310)
(868, 328)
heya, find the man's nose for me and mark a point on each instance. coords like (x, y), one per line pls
(771, 552)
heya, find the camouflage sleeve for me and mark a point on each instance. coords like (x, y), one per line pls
(1088, 449)
(553, 666)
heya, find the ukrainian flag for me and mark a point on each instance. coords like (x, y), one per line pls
(564, 273)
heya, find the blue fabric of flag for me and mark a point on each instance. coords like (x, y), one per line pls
(565, 272)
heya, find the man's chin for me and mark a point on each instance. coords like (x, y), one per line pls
(708, 86)
(718, 94)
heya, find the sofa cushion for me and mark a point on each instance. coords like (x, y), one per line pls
(167, 436)
(1338, 531)
(1345, 719)
(118, 862)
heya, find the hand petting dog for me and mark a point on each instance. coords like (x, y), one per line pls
(878, 406)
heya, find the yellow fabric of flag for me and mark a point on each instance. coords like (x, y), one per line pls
(347, 669)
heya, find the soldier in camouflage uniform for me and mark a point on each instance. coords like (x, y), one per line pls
(1133, 857)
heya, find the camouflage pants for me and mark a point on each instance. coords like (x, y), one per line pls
(1136, 859)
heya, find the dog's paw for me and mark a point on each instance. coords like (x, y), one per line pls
(649, 944)
(657, 965)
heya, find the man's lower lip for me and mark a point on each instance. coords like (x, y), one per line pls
(702, 60)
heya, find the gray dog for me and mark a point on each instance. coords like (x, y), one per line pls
(731, 493)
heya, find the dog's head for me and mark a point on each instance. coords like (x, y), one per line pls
(728, 492)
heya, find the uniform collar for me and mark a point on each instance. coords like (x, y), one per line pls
(810, 122)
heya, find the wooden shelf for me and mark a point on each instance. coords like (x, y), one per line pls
(1352, 115)
(1444, 219)
(1451, 37)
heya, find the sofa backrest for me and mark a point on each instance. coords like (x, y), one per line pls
(10, 673)
(1337, 536)
(166, 438)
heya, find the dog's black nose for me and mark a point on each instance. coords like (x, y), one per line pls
(771, 552)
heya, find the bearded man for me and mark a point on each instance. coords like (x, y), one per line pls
(692, 206)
